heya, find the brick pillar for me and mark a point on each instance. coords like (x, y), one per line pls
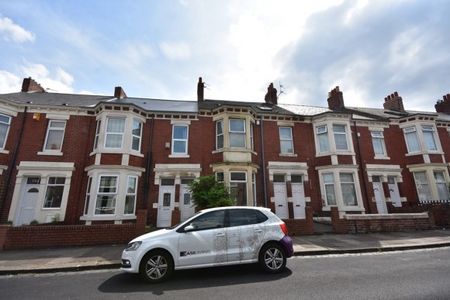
(141, 221)
(3, 233)
(309, 226)
(176, 216)
(339, 225)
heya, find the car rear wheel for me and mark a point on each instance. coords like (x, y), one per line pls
(156, 266)
(272, 258)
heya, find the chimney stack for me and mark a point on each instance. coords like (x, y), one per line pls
(29, 85)
(119, 93)
(200, 90)
(336, 99)
(443, 106)
(394, 102)
(271, 97)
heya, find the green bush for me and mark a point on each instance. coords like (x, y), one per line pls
(208, 193)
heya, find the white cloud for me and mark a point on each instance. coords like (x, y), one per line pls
(9, 82)
(13, 32)
(175, 50)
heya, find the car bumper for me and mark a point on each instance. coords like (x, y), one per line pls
(286, 241)
(129, 262)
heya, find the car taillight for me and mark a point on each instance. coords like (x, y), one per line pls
(284, 228)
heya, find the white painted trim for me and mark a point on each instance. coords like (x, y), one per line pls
(50, 153)
(180, 122)
(398, 216)
(3, 151)
(58, 116)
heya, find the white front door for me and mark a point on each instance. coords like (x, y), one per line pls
(281, 206)
(28, 201)
(187, 208)
(379, 195)
(298, 200)
(394, 192)
(165, 205)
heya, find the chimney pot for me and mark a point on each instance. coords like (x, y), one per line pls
(443, 106)
(30, 85)
(336, 99)
(271, 96)
(393, 102)
(200, 90)
(119, 93)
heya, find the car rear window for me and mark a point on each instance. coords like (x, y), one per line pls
(239, 217)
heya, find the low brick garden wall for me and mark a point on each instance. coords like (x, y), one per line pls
(301, 226)
(42, 236)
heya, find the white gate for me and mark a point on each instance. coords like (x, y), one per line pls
(394, 192)
(379, 195)
(165, 203)
(281, 207)
(298, 200)
(187, 208)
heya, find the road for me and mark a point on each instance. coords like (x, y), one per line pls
(420, 274)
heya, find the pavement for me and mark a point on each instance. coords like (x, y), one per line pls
(108, 257)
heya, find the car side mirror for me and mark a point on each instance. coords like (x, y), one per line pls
(188, 228)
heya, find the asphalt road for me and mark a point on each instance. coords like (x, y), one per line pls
(420, 274)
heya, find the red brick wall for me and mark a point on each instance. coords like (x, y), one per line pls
(300, 226)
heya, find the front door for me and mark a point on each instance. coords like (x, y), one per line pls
(280, 193)
(28, 201)
(298, 197)
(394, 192)
(187, 208)
(165, 203)
(379, 195)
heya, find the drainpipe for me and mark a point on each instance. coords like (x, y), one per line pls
(263, 163)
(358, 152)
(148, 164)
(13, 160)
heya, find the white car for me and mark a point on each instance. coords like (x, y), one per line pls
(212, 237)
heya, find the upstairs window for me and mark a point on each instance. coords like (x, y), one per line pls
(379, 148)
(114, 132)
(428, 137)
(97, 134)
(412, 141)
(286, 143)
(136, 135)
(322, 137)
(180, 139)
(219, 134)
(237, 133)
(340, 137)
(5, 122)
(55, 135)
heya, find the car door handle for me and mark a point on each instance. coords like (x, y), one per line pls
(220, 234)
(258, 230)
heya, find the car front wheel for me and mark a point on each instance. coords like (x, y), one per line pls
(156, 266)
(272, 258)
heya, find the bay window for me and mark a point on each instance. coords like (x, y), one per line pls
(428, 137)
(340, 137)
(348, 189)
(219, 134)
(322, 137)
(136, 135)
(114, 132)
(237, 133)
(5, 122)
(130, 198)
(328, 181)
(238, 188)
(97, 133)
(106, 195)
(422, 186)
(412, 141)
(441, 185)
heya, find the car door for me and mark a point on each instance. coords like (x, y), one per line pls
(203, 240)
(244, 234)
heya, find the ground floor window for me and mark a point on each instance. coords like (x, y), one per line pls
(422, 186)
(330, 196)
(106, 195)
(54, 193)
(130, 198)
(441, 185)
(340, 188)
(238, 187)
(348, 189)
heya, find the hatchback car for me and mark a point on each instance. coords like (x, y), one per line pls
(212, 237)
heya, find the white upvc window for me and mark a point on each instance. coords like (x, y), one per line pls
(238, 188)
(136, 135)
(5, 122)
(87, 199)
(330, 193)
(412, 140)
(340, 136)
(115, 127)
(286, 142)
(428, 137)
(379, 147)
(348, 189)
(106, 195)
(179, 139)
(322, 138)
(54, 193)
(422, 186)
(237, 133)
(441, 185)
(130, 198)
(219, 134)
(252, 141)
(97, 133)
(55, 135)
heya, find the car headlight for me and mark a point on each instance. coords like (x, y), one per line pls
(133, 246)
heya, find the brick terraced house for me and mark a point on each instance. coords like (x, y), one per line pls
(84, 159)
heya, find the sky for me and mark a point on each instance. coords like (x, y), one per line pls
(158, 49)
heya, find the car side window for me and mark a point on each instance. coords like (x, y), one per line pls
(214, 219)
(239, 217)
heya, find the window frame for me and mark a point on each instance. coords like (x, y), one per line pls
(186, 140)
(429, 129)
(380, 138)
(419, 185)
(337, 133)
(56, 184)
(134, 136)
(87, 199)
(320, 134)
(235, 132)
(234, 183)
(98, 193)
(333, 185)
(97, 133)
(352, 183)
(412, 131)
(8, 126)
(220, 134)
(50, 128)
(290, 140)
(107, 133)
(128, 194)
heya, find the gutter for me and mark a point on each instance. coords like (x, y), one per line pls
(362, 171)
(263, 162)
(148, 163)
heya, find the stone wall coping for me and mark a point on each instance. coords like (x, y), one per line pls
(398, 216)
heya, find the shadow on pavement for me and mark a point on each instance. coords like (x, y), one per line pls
(191, 279)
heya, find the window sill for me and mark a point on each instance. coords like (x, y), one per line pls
(50, 153)
(424, 153)
(119, 151)
(288, 154)
(179, 156)
(335, 153)
(382, 157)
(2, 151)
(233, 150)
(51, 208)
(107, 217)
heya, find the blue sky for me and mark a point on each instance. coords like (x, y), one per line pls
(158, 49)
